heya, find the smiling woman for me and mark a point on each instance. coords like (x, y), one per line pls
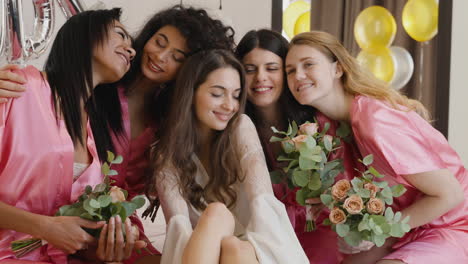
(37, 173)
(213, 174)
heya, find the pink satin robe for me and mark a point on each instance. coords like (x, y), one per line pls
(320, 245)
(404, 143)
(135, 163)
(36, 163)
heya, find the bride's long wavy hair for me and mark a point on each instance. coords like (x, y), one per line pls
(177, 137)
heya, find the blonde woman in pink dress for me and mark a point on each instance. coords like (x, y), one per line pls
(406, 148)
(48, 153)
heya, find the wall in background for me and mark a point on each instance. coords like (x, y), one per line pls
(242, 15)
(458, 105)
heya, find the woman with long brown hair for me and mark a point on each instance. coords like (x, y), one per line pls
(210, 172)
(406, 148)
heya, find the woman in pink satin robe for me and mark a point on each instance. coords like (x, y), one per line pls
(135, 106)
(48, 153)
(406, 148)
(270, 103)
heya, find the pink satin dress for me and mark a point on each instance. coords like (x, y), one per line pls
(132, 171)
(320, 245)
(36, 163)
(404, 143)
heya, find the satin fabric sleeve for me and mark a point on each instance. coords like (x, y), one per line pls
(397, 137)
(178, 228)
(269, 229)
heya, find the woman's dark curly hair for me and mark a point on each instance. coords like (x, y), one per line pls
(201, 33)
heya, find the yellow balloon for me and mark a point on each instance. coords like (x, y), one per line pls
(291, 15)
(302, 23)
(374, 26)
(379, 61)
(420, 18)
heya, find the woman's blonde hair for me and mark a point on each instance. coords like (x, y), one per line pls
(356, 80)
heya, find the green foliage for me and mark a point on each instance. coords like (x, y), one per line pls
(365, 225)
(97, 204)
(307, 162)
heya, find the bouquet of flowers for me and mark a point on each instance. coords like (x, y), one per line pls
(306, 151)
(98, 204)
(360, 211)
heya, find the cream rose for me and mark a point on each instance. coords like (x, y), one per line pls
(375, 206)
(353, 204)
(337, 216)
(299, 140)
(372, 188)
(116, 194)
(309, 129)
(340, 190)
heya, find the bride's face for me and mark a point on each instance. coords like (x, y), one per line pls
(216, 100)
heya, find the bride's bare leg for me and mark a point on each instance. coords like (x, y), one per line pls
(204, 246)
(234, 251)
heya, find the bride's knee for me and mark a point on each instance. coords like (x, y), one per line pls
(237, 251)
(216, 214)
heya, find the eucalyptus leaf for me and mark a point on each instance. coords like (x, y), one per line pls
(368, 160)
(398, 190)
(379, 240)
(94, 203)
(342, 229)
(100, 188)
(288, 147)
(306, 164)
(289, 132)
(301, 196)
(301, 178)
(275, 139)
(104, 200)
(118, 159)
(294, 129)
(112, 173)
(105, 168)
(325, 129)
(314, 182)
(327, 200)
(110, 156)
(139, 201)
(389, 215)
(397, 231)
(397, 216)
(353, 238)
(328, 145)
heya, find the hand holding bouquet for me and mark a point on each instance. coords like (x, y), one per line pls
(99, 204)
(306, 151)
(360, 211)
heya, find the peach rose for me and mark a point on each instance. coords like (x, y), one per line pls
(375, 206)
(372, 188)
(116, 194)
(309, 129)
(298, 140)
(354, 204)
(340, 190)
(337, 216)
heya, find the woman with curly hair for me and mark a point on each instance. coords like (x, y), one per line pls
(133, 108)
(211, 174)
(407, 150)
